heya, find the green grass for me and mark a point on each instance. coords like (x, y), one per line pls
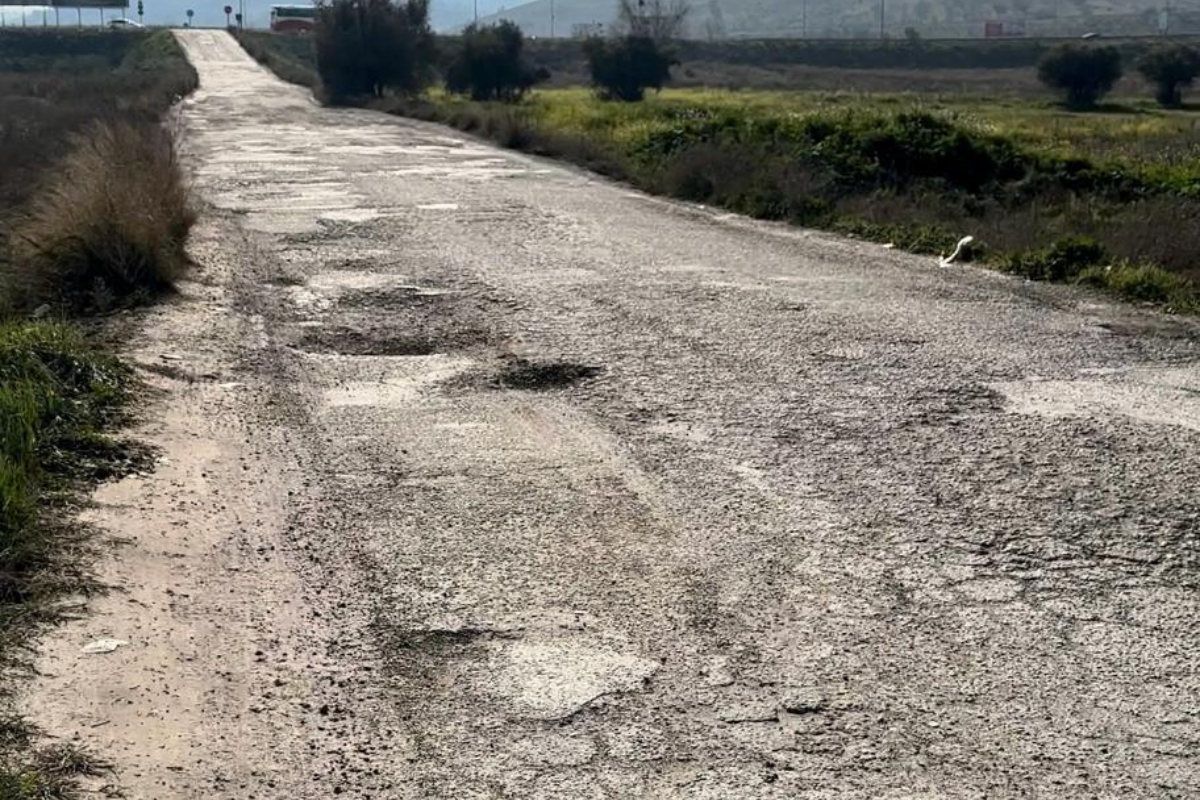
(58, 393)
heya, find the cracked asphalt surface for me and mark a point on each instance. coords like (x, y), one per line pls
(515, 483)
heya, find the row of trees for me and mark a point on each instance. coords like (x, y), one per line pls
(1085, 74)
(369, 47)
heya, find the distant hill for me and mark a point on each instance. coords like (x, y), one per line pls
(716, 19)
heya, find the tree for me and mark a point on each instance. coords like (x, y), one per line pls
(660, 20)
(624, 68)
(368, 47)
(491, 65)
(1084, 74)
(1171, 69)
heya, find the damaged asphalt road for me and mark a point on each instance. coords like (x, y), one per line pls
(495, 479)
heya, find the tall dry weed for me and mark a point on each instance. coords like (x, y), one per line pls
(110, 225)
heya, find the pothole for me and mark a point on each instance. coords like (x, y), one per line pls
(387, 298)
(351, 342)
(520, 373)
(368, 341)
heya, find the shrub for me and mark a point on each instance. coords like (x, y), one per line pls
(899, 148)
(1170, 69)
(623, 69)
(1145, 283)
(110, 225)
(491, 65)
(368, 47)
(1083, 74)
(1064, 260)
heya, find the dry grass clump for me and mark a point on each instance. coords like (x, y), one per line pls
(109, 226)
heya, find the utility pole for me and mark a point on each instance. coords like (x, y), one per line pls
(551, 19)
(476, 12)
(804, 19)
(882, 18)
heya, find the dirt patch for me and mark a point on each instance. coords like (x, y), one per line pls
(520, 373)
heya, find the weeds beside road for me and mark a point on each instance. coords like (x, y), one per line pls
(94, 211)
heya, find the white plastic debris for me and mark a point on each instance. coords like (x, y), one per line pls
(963, 242)
(103, 646)
(171, 357)
(40, 311)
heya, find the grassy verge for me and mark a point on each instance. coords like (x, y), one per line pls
(94, 211)
(919, 171)
(914, 172)
(290, 57)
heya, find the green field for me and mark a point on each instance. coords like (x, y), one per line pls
(1130, 130)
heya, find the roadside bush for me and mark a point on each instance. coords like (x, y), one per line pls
(1064, 260)
(897, 149)
(490, 64)
(858, 149)
(1084, 74)
(369, 47)
(109, 226)
(1171, 70)
(623, 69)
(1147, 284)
